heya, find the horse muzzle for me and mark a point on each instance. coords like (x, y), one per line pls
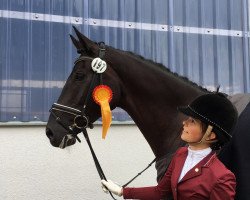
(62, 142)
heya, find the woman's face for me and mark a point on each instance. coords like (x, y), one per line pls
(192, 130)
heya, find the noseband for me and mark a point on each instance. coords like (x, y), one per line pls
(80, 121)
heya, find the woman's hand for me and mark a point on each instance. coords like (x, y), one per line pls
(112, 187)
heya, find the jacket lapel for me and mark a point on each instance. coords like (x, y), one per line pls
(178, 167)
(197, 169)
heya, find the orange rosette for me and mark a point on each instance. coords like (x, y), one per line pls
(102, 95)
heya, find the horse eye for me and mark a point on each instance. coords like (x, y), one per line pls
(79, 76)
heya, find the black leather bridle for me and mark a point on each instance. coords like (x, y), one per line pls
(81, 120)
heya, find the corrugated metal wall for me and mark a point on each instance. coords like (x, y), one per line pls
(205, 40)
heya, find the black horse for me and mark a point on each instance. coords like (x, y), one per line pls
(150, 94)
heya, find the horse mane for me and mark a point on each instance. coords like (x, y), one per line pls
(160, 66)
(164, 69)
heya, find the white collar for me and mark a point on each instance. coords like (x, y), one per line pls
(199, 153)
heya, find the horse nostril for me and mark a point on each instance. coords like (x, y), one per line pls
(49, 133)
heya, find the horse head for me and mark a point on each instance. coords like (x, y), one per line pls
(75, 109)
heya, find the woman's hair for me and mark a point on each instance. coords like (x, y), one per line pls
(221, 139)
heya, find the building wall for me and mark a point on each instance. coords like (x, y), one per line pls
(31, 168)
(206, 41)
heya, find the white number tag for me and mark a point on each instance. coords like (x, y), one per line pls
(98, 65)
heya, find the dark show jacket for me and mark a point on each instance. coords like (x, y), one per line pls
(208, 180)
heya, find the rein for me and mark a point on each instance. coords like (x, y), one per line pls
(81, 120)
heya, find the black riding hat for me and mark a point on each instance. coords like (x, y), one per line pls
(216, 110)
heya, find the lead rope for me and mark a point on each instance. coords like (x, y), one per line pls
(149, 165)
(97, 164)
(99, 168)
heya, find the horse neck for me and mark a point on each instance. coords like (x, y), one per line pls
(150, 96)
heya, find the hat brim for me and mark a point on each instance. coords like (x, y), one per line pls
(187, 111)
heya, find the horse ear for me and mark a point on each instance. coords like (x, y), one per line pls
(82, 38)
(86, 42)
(75, 41)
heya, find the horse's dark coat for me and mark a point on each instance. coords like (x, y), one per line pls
(150, 95)
(236, 155)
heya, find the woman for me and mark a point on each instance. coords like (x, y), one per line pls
(195, 173)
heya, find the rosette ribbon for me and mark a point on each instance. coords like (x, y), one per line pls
(102, 95)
